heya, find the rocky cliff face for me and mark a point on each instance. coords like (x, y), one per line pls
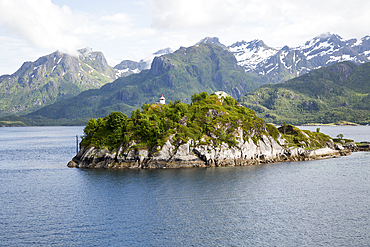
(193, 154)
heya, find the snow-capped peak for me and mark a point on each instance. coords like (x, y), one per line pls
(250, 54)
(323, 50)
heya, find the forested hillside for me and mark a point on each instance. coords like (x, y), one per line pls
(332, 94)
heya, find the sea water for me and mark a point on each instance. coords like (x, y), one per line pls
(44, 203)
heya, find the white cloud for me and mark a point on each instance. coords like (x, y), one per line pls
(134, 29)
(283, 22)
(46, 27)
(169, 14)
(117, 26)
(49, 26)
(14, 53)
(290, 22)
(117, 18)
(41, 23)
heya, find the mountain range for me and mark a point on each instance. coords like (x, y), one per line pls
(207, 66)
(276, 65)
(340, 92)
(58, 76)
(178, 75)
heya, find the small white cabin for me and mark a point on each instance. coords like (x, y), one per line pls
(162, 100)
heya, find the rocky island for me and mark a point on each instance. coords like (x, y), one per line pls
(214, 130)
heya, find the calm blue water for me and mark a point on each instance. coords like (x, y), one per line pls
(43, 203)
(356, 133)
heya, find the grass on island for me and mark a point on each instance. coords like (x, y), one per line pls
(11, 124)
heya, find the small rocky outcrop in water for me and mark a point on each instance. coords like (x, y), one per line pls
(213, 131)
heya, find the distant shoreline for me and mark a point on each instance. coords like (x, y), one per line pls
(21, 124)
(332, 124)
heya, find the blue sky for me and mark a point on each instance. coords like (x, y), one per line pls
(133, 29)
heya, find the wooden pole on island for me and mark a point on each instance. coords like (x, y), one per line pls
(76, 144)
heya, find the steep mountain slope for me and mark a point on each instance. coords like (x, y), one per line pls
(178, 75)
(340, 92)
(129, 67)
(279, 65)
(52, 78)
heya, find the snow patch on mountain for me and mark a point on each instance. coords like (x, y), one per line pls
(128, 67)
(250, 54)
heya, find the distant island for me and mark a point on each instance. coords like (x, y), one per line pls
(214, 130)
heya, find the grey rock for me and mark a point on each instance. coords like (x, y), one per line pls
(338, 147)
(194, 154)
